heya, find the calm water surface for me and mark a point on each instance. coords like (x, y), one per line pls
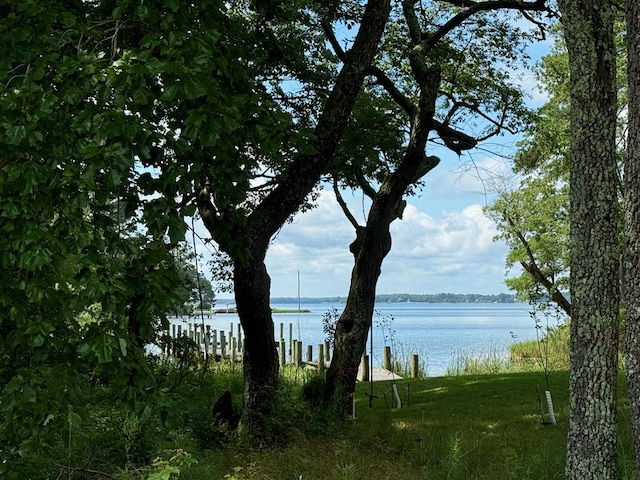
(436, 332)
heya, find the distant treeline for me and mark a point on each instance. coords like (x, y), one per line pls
(447, 298)
(404, 298)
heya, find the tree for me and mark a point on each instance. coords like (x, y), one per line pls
(199, 287)
(631, 259)
(594, 247)
(444, 82)
(81, 292)
(533, 219)
(244, 233)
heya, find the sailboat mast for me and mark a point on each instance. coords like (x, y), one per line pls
(298, 291)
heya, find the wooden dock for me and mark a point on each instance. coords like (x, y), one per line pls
(379, 374)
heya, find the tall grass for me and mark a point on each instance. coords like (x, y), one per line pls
(491, 362)
(547, 353)
(402, 358)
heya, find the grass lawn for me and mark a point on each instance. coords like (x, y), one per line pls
(462, 427)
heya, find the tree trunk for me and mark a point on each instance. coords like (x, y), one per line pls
(261, 369)
(249, 239)
(631, 281)
(370, 247)
(594, 247)
(373, 242)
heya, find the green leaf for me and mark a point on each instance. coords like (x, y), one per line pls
(28, 394)
(102, 348)
(194, 89)
(73, 419)
(170, 93)
(15, 134)
(123, 346)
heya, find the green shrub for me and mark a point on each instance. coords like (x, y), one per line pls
(547, 353)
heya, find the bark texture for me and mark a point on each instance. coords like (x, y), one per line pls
(250, 236)
(260, 364)
(594, 247)
(631, 290)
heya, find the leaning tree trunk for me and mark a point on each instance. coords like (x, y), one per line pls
(594, 246)
(373, 243)
(631, 281)
(261, 369)
(370, 247)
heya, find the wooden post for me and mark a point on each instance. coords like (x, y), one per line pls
(223, 345)
(281, 330)
(415, 366)
(291, 344)
(309, 353)
(239, 345)
(327, 351)
(205, 343)
(365, 368)
(173, 336)
(321, 364)
(234, 348)
(298, 349)
(386, 358)
(179, 331)
(283, 353)
(214, 342)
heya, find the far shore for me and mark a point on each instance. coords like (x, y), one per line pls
(235, 310)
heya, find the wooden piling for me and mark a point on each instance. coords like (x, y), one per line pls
(223, 345)
(234, 349)
(291, 344)
(365, 368)
(321, 364)
(283, 353)
(309, 353)
(298, 351)
(415, 366)
(386, 358)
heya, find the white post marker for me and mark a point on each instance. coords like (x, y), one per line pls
(552, 417)
(394, 390)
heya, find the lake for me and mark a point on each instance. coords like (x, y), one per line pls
(435, 331)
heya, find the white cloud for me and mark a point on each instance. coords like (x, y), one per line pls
(454, 253)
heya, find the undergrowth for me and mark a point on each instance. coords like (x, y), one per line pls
(472, 426)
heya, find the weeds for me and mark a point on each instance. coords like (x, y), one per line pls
(492, 362)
